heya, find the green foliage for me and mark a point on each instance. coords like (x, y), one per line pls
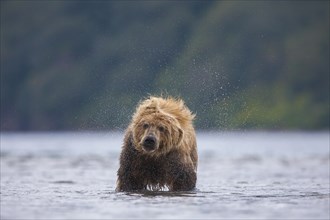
(276, 108)
(237, 64)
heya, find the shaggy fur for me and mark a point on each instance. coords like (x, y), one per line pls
(159, 148)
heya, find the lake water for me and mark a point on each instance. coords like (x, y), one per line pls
(241, 175)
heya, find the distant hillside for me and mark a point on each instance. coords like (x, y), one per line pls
(238, 64)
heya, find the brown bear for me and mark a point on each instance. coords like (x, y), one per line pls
(159, 148)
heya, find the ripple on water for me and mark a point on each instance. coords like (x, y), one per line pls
(63, 182)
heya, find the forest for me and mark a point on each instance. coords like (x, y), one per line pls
(85, 65)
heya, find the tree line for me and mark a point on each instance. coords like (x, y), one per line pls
(70, 65)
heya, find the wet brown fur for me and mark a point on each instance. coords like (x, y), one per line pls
(173, 164)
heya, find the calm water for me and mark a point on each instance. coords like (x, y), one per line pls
(240, 176)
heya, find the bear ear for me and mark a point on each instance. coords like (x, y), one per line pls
(180, 136)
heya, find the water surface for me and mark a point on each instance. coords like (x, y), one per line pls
(255, 175)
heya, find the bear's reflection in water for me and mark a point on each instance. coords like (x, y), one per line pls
(148, 193)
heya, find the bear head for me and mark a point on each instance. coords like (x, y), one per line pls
(155, 132)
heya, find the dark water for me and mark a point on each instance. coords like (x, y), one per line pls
(240, 176)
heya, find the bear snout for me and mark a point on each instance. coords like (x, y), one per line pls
(149, 143)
